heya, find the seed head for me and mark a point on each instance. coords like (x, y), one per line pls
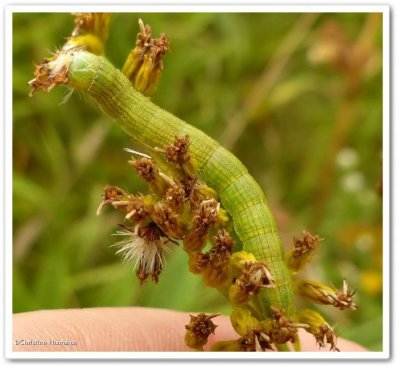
(145, 247)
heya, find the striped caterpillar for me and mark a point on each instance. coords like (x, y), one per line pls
(274, 320)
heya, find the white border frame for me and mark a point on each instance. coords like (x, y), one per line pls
(203, 6)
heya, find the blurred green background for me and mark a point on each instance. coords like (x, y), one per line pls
(297, 97)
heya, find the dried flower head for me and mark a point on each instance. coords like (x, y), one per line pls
(281, 328)
(178, 152)
(302, 251)
(254, 277)
(145, 168)
(344, 298)
(93, 23)
(255, 340)
(204, 217)
(305, 244)
(216, 271)
(145, 247)
(319, 328)
(199, 329)
(111, 194)
(52, 72)
(198, 262)
(144, 63)
(223, 241)
(322, 294)
(167, 219)
(175, 197)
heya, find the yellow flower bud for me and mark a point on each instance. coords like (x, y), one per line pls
(132, 63)
(238, 261)
(243, 322)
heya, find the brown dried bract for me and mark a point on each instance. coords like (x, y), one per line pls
(178, 152)
(145, 168)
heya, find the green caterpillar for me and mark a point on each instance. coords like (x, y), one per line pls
(240, 195)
